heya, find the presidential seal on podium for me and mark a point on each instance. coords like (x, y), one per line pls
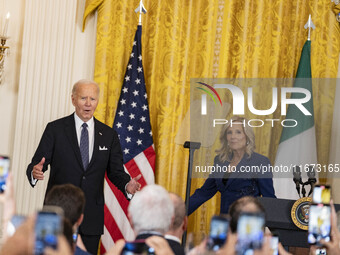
(300, 212)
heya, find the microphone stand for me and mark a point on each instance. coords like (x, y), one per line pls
(192, 146)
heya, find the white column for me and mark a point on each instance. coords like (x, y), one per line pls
(53, 54)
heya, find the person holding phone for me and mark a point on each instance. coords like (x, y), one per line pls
(238, 156)
(333, 245)
(80, 150)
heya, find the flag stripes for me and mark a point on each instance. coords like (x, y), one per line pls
(132, 123)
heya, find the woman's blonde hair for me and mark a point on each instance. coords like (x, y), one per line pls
(225, 153)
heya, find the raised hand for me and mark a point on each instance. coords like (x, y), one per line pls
(37, 171)
(133, 185)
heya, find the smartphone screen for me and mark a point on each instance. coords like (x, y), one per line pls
(47, 228)
(4, 170)
(319, 224)
(219, 226)
(322, 194)
(274, 244)
(137, 248)
(250, 231)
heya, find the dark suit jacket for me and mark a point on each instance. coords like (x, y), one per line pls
(239, 184)
(175, 246)
(59, 146)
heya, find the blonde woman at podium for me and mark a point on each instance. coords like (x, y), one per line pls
(246, 173)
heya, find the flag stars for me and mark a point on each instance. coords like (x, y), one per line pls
(121, 113)
(137, 81)
(140, 57)
(141, 130)
(134, 104)
(135, 93)
(145, 107)
(129, 66)
(128, 139)
(126, 151)
(132, 116)
(145, 96)
(139, 142)
(132, 55)
(130, 128)
(123, 101)
(119, 125)
(134, 43)
(127, 78)
(139, 69)
(150, 133)
(125, 90)
(142, 119)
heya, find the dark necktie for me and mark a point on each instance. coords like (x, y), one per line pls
(84, 145)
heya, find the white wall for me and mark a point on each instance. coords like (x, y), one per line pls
(48, 53)
(9, 88)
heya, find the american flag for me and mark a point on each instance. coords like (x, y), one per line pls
(132, 123)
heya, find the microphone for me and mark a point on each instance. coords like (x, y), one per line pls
(192, 145)
(311, 178)
(297, 178)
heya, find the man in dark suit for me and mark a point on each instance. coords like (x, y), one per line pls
(79, 150)
(178, 225)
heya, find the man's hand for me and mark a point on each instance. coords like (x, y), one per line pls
(117, 248)
(133, 185)
(160, 245)
(37, 170)
(22, 242)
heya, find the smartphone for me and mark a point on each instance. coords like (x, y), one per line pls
(319, 224)
(48, 225)
(4, 170)
(322, 194)
(138, 247)
(219, 226)
(14, 223)
(250, 231)
(274, 244)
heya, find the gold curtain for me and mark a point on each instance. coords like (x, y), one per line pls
(185, 39)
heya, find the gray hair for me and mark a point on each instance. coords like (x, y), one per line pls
(180, 211)
(151, 209)
(83, 81)
(224, 152)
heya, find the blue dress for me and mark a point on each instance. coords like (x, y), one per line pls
(249, 178)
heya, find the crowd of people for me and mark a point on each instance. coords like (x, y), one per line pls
(80, 150)
(157, 216)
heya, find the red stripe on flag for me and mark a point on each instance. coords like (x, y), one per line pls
(123, 202)
(111, 225)
(133, 170)
(102, 249)
(151, 156)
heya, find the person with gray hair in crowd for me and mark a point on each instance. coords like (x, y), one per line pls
(150, 212)
(178, 225)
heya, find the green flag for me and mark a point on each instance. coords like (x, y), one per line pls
(297, 144)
